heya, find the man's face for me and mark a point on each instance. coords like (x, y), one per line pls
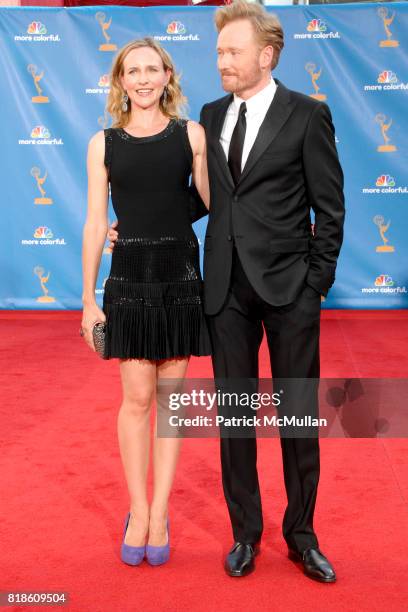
(238, 57)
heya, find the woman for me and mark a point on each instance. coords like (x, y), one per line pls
(153, 297)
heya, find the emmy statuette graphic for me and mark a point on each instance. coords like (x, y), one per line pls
(386, 147)
(39, 99)
(35, 172)
(387, 21)
(39, 271)
(382, 228)
(311, 69)
(105, 25)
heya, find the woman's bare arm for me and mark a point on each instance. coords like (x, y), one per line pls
(94, 232)
(196, 135)
(96, 224)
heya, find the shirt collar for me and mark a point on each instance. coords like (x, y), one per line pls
(257, 103)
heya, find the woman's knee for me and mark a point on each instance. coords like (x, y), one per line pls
(137, 402)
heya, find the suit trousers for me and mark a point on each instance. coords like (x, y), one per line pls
(293, 340)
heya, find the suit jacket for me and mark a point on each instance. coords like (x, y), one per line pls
(293, 167)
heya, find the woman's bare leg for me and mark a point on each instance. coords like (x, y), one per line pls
(139, 384)
(165, 456)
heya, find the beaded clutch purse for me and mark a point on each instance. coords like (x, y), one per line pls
(98, 334)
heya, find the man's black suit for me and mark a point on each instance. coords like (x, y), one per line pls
(263, 268)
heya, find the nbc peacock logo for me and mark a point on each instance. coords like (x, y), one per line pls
(37, 32)
(40, 135)
(387, 76)
(43, 232)
(316, 25)
(103, 86)
(387, 80)
(384, 281)
(103, 80)
(43, 236)
(36, 27)
(177, 31)
(317, 28)
(385, 180)
(176, 27)
(387, 185)
(40, 131)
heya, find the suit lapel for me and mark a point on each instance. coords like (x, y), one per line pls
(278, 113)
(218, 125)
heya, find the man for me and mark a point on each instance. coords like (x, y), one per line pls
(271, 158)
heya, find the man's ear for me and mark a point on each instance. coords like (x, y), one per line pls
(266, 56)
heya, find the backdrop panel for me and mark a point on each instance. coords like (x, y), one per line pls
(53, 89)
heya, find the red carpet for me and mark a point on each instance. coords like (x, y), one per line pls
(64, 498)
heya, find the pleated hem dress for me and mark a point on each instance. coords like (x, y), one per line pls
(153, 297)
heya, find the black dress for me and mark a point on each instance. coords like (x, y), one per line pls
(153, 298)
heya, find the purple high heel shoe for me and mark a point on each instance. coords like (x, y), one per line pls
(157, 555)
(131, 555)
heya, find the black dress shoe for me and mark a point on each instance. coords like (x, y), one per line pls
(240, 559)
(315, 564)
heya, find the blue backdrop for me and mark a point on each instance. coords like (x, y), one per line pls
(53, 88)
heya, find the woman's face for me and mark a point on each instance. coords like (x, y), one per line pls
(144, 77)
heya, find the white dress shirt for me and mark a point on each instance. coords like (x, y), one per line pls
(257, 107)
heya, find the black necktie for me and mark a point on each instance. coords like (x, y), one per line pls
(237, 144)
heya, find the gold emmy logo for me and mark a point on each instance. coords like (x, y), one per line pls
(39, 271)
(311, 69)
(35, 172)
(37, 78)
(105, 25)
(387, 21)
(382, 228)
(385, 148)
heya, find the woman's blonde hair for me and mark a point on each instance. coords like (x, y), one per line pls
(268, 29)
(175, 104)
